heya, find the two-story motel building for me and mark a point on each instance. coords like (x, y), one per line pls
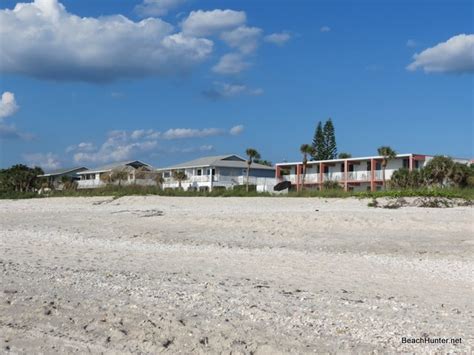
(353, 174)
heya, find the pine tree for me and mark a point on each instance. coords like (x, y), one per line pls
(330, 148)
(319, 148)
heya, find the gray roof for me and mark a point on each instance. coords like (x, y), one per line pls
(219, 161)
(112, 166)
(63, 171)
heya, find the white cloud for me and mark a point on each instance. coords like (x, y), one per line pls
(231, 63)
(243, 38)
(41, 39)
(456, 55)
(124, 145)
(236, 130)
(278, 38)
(45, 161)
(411, 43)
(180, 133)
(325, 29)
(81, 147)
(226, 90)
(205, 23)
(157, 7)
(8, 105)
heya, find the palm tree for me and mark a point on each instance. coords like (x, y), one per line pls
(305, 149)
(119, 175)
(252, 154)
(180, 176)
(387, 154)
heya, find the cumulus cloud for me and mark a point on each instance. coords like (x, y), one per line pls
(236, 130)
(206, 23)
(122, 145)
(81, 147)
(43, 160)
(180, 133)
(243, 38)
(8, 105)
(278, 38)
(227, 90)
(456, 55)
(157, 7)
(231, 63)
(41, 39)
(325, 29)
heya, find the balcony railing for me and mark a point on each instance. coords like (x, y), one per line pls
(336, 176)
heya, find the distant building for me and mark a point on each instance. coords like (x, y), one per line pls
(223, 171)
(353, 174)
(134, 172)
(57, 178)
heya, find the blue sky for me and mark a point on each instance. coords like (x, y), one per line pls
(176, 79)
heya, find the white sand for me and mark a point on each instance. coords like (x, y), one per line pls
(232, 275)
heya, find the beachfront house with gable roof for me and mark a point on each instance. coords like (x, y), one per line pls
(132, 172)
(222, 171)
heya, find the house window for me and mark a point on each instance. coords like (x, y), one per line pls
(351, 167)
(342, 167)
(199, 172)
(406, 163)
(369, 166)
(417, 164)
(326, 169)
(166, 174)
(378, 166)
(317, 169)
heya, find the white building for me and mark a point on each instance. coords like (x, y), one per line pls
(224, 171)
(134, 172)
(353, 174)
(57, 178)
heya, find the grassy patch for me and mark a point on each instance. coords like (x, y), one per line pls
(119, 191)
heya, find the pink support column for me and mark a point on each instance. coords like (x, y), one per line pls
(372, 174)
(411, 162)
(298, 177)
(277, 173)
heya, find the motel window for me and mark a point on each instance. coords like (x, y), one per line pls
(317, 169)
(369, 166)
(351, 168)
(417, 164)
(326, 169)
(406, 163)
(378, 166)
(342, 167)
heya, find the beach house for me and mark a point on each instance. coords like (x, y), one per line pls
(353, 174)
(122, 173)
(57, 178)
(223, 171)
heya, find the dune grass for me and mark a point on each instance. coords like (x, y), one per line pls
(119, 191)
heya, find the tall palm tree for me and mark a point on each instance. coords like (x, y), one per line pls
(387, 154)
(305, 149)
(252, 154)
(180, 176)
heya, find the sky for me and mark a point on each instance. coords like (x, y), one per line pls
(86, 83)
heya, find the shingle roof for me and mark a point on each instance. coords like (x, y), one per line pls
(63, 171)
(229, 161)
(112, 166)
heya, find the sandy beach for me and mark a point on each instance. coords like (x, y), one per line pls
(233, 275)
